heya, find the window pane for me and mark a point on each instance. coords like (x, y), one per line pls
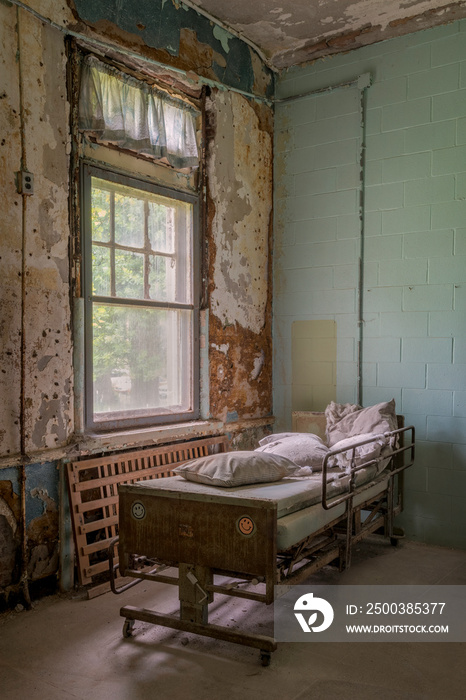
(142, 360)
(101, 284)
(129, 220)
(162, 227)
(100, 206)
(161, 278)
(129, 274)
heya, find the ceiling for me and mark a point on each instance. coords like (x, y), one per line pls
(291, 32)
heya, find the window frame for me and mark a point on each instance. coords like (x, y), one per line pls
(87, 171)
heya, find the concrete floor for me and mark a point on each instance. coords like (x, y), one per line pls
(73, 648)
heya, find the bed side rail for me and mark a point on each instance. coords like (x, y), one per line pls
(401, 457)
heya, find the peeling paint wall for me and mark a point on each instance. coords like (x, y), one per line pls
(239, 213)
(37, 373)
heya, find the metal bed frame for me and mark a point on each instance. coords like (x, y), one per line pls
(202, 539)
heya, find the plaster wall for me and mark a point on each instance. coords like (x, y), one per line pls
(413, 255)
(40, 316)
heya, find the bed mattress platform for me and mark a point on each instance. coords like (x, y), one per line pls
(256, 535)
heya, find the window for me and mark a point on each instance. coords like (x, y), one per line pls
(141, 301)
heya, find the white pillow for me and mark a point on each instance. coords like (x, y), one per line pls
(237, 468)
(380, 418)
(277, 436)
(304, 449)
(362, 453)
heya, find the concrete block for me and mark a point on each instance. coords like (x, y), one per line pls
(323, 205)
(382, 350)
(419, 421)
(369, 374)
(383, 248)
(404, 323)
(376, 394)
(429, 505)
(428, 190)
(407, 374)
(313, 183)
(386, 196)
(303, 280)
(434, 454)
(435, 81)
(334, 252)
(348, 225)
(449, 160)
(448, 50)
(407, 167)
(323, 157)
(447, 377)
(402, 272)
(299, 111)
(371, 274)
(345, 101)
(437, 350)
(429, 137)
(371, 325)
(407, 220)
(407, 61)
(459, 299)
(432, 297)
(460, 191)
(446, 481)
(328, 130)
(445, 324)
(374, 121)
(460, 241)
(447, 269)
(346, 393)
(459, 404)
(416, 478)
(405, 114)
(345, 276)
(385, 145)
(348, 177)
(373, 223)
(461, 128)
(459, 351)
(432, 403)
(452, 105)
(347, 349)
(373, 173)
(458, 455)
(387, 92)
(347, 373)
(430, 244)
(383, 299)
(316, 230)
(347, 325)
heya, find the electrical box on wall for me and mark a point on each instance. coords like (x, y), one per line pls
(25, 182)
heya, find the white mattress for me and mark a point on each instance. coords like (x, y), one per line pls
(290, 494)
(293, 528)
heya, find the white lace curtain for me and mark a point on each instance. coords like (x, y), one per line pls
(127, 112)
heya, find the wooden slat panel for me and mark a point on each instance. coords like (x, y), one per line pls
(93, 490)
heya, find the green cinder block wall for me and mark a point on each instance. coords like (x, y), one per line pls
(414, 252)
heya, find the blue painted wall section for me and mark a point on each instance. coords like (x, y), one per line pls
(159, 24)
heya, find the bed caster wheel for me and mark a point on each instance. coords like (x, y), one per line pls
(265, 658)
(128, 628)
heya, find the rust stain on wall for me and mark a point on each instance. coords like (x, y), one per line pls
(239, 240)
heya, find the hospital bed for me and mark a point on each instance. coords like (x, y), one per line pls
(245, 540)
